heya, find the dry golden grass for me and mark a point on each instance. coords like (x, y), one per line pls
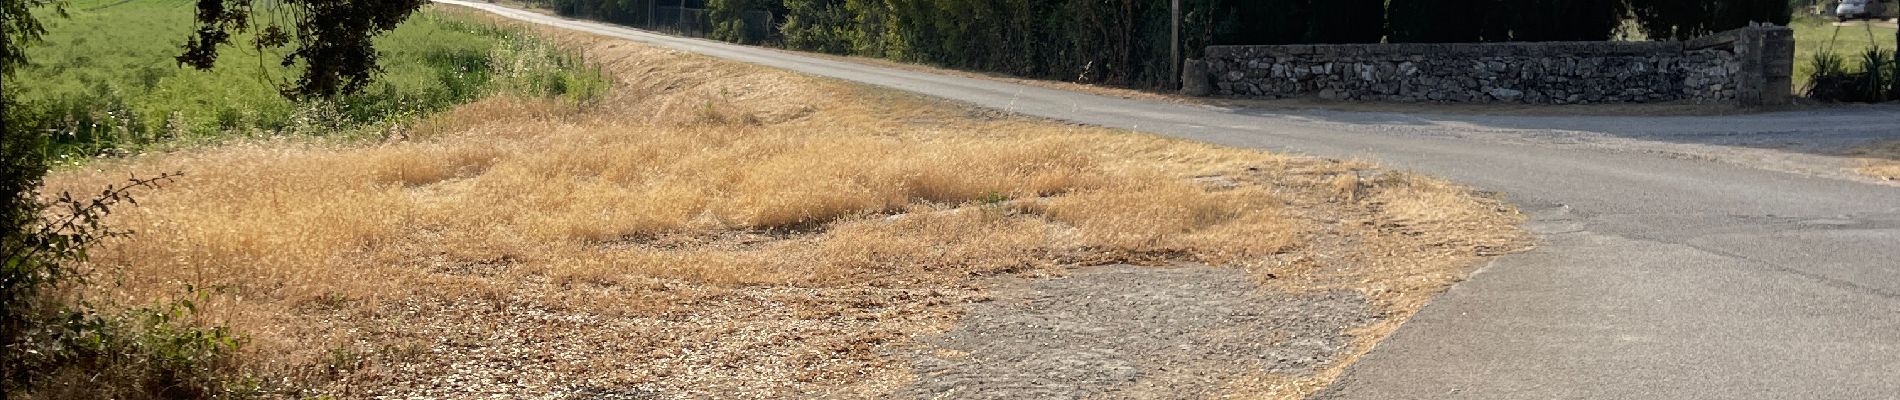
(1879, 160)
(720, 229)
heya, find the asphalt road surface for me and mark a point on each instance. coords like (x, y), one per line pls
(1715, 257)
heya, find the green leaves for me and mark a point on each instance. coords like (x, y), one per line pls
(334, 40)
(1684, 19)
(20, 28)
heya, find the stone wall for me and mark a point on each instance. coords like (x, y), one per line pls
(1745, 66)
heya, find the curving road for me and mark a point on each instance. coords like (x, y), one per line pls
(1682, 257)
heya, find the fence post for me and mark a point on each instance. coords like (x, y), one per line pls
(1767, 57)
(1174, 45)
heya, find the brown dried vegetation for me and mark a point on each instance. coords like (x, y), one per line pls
(714, 228)
(1879, 160)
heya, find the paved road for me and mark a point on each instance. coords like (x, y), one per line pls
(1682, 257)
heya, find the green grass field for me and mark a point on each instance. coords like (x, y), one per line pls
(105, 79)
(1814, 35)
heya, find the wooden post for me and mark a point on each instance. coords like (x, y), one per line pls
(1174, 46)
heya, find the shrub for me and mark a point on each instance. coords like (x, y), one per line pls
(1873, 80)
(817, 25)
(58, 346)
(728, 20)
(1877, 75)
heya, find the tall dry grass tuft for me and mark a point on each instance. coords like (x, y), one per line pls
(787, 228)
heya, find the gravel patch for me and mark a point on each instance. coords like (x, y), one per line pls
(1134, 332)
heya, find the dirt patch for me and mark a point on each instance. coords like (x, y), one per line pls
(1879, 160)
(1135, 332)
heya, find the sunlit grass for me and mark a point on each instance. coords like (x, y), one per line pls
(1814, 35)
(105, 79)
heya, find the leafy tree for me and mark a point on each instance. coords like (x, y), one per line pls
(1346, 21)
(22, 163)
(19, 28)
(728, 20)
(817, 25)
(1431, 21)
(333, 39)
(1249, 22)
(1683, 19)
(1559, 20)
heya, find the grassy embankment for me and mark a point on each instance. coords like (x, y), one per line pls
(1814, 35)
(729, 230)
(105, 80)
(105, 84)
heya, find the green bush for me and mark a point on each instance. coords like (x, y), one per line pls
(728, 20)
(1874, 79)
(817, 25)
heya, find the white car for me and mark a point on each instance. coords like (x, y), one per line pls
(1859, 9)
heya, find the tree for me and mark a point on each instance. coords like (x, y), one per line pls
(728, 20)
(1684, 19)
(1563, 20)
(816, 25)
(21, 161)
(1255, 22)
(19, 28)
(333, 38)
(1432, 21)
(1346, 21)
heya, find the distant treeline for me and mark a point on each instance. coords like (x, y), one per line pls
(1125, 42)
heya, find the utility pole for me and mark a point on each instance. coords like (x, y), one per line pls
(1174, 47)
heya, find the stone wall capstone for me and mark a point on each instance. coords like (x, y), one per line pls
(1734, 67)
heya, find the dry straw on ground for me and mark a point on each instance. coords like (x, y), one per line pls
(1879, 160)
(720, 229)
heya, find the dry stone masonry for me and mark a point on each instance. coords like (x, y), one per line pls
(1748, 66)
